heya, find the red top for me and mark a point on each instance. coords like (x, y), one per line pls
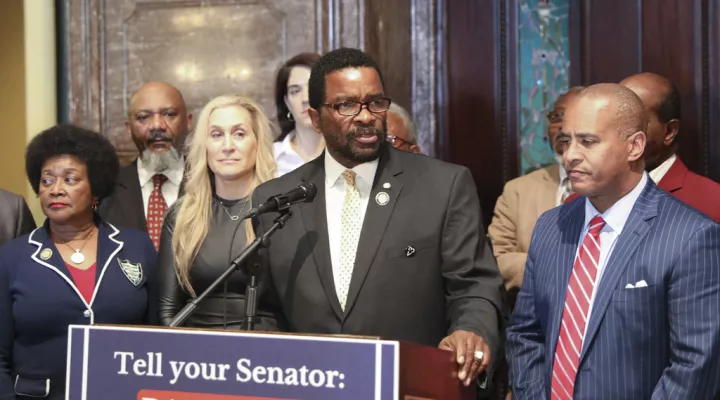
(84, 280)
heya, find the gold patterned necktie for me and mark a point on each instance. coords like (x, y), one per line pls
(351, 225)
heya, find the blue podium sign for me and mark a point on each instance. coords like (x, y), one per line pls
(108, 362)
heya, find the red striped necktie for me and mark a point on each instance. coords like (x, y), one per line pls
(575, 313)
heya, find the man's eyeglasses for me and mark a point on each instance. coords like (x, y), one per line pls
(555, 117)
(397, 141)
(351, 108)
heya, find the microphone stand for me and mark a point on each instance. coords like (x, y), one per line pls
(251, 289)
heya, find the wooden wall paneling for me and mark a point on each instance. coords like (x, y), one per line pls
(606, 43)
(578, 43)
(388, 40)
(678, 39)
(346, 23)
(442, 147)
(672, 46)
(81, 59)
(510, 90)
(402, 37)
(425, 65)
(481, 112)
(711, 90)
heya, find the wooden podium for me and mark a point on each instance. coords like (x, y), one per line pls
(145, 363)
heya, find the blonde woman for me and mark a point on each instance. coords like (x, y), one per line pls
(229, 154)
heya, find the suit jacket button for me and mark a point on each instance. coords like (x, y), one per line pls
(86, 313)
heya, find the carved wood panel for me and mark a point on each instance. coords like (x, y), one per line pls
(674, 38)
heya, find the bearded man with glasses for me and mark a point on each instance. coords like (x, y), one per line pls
(393, 244)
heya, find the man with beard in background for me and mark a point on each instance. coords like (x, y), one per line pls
(393, 244)
(158, 122)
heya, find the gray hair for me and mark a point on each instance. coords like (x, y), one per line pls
(409, 124)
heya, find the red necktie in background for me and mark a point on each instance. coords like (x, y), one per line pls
(571, 198)
(156, 209)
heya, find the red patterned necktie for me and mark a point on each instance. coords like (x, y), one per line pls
(575, 313)
(156, 209)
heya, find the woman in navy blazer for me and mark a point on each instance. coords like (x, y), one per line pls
(75, 269)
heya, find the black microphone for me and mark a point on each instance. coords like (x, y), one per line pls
(304, 193)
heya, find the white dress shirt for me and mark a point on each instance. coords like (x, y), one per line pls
(562, 187)
(171, 188)
(286, 158)
(615, 218)
(335, 197)
(658, 173)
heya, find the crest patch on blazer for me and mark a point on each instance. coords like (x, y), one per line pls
(133, 272)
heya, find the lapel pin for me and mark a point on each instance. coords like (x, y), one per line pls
(382, 198)
(386, 185)
(46, 254)
(409, 251)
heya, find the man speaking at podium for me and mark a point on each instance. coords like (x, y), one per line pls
(392, 245)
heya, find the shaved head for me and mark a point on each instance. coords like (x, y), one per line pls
(158, 123)
(622, 103)
(602, 142)
(156, 89)
(662, 102)
(572, 91)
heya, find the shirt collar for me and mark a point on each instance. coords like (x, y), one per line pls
(286, 145)
(617, 215)
(174, 173)
(658, 173)
(333, 170)
(563, 174)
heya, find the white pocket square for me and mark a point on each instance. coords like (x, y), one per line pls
(640, 284)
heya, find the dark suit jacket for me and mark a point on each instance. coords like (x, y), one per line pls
(15, 216)
(661, 341)
(38, 300)
(125, 206)
(451, 282)
(695, 190)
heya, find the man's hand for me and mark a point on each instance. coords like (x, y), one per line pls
(465, 344)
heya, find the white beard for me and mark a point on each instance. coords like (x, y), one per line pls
(559, 159)
(159, 162)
